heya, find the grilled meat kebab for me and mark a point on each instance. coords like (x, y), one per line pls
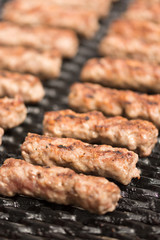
(40, 38)
(148, 3)
(139, 29)
(122, 47)
(12, 112)
(27, 86)
(102, 160)
(59, 185)
(122, 73)
(143, 10)
(84, 22)
(86, 97)
(100, 7)
(136, 135)
(46, 64)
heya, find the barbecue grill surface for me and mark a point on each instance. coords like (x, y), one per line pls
(138, 213)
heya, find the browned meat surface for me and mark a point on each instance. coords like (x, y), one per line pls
(122, 47)
(40, 38)
(122, 73)
(87, 97)
(28, 87)
(101, 7)
(103, 160)
(1, 135)
(144, 10)
(136, 135)
(47, 64)
(12, 112)
(84, 22)
(146, 2)
(137, 29)
(59, 185)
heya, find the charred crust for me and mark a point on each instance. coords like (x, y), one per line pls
(91, 146)
(64, 174)
(61, 146)
(152, 103)
(129, 154)
(71, 116)
(58, 118)
(66, 147)
(86, 118)
(89, 96)
(39, 175)
(118, 152)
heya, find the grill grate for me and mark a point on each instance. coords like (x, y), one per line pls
(138, 213)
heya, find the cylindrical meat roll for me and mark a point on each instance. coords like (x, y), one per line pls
(144, 10)
(46, 64)
(122, 47)
(40, 38)
(59, 185)
(136, 135)
(102, 160)
(101, 7)
(139, 29)
(146, 2)
(12, 112)
(86, 97)
(122, 73)
(27, 86)
(84, 22)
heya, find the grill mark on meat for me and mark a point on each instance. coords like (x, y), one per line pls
(40, 38)
(117, 46)
(59, 185)
(70, 148)
(122, 73)
(100, 7)
(144, 11)
(89, 96)
(135, 28)
(136, 135)
(71, 116)
(114, 102)
(86, 118)
(24, 85)
(25, 60)
(70, 175)
(61, 146)
(83, 21)
(152, 103)
(12, 112)
(119, 164)
(39, 175)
